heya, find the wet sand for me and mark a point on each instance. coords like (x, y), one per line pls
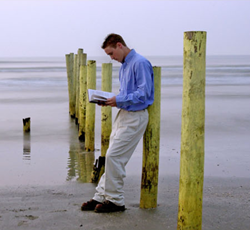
(36, 194)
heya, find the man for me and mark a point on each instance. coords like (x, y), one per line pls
(136, 94)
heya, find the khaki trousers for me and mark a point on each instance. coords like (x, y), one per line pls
(127, 131)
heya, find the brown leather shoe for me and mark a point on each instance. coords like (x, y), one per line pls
(90, 205)
(108, 206)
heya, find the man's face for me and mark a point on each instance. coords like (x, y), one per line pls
(115, 53)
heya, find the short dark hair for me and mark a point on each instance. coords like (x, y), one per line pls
(112, 39)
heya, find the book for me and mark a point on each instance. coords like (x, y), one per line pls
(98, 96)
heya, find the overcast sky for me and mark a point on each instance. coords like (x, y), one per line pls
(53, 28)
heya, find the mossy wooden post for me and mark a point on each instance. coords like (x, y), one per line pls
(151, 147)
(75, 80)
(80, 51)
(70, 76)
(106, 120)
(90, 108)
(192, 132)
(26, 125)
(82, 97)
(106, 124)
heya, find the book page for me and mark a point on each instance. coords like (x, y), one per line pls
(98, 95)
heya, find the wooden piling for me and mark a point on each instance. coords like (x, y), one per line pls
(26, 125)
(151, 147)
(90, 108)
(82, 102)
(192, 132)
(79, 57)
(83, 59)
(106, 124)
(70, 76)
(75, 82)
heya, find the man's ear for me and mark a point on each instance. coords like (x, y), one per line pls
(118, 44)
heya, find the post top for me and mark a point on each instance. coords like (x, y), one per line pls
(190, 34)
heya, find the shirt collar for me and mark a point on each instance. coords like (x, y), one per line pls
(129, 56)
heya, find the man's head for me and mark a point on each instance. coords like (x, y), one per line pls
(115, 47)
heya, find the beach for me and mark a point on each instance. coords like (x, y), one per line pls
(44, 175)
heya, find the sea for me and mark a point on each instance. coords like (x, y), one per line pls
(37, 88)
(51, 71)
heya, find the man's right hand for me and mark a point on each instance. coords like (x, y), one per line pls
(111, 101)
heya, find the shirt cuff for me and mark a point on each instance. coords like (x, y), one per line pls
(118, 101)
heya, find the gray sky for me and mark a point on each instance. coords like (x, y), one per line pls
(53, 28)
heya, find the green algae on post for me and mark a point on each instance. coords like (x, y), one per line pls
(26, 125)
(70, 76)
(82, 102)
(151, 148)
(90, 108)
(192, 132)
(106, 119)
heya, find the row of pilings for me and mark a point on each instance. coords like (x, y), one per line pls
(82, 76)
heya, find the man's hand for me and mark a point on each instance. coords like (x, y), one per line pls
(110, 102)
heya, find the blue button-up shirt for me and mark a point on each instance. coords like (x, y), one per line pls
(136, 83)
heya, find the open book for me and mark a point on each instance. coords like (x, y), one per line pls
(96, 96)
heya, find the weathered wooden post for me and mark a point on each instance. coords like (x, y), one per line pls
(26, 125)
(79, 53)
(75, 81)
(82, 106)
(70, 76)
(82, 96)
(192, 132)
(106, 124)
(90, 108)
(151, 147)
(106, 121)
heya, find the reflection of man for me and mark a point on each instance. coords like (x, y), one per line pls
(136, 94)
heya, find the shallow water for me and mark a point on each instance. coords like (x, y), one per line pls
(52, 154)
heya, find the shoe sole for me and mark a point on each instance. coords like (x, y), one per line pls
(107, 211)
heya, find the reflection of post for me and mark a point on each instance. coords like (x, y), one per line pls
(81, 167)
(85, 166)
(80, 163)
(192, 132)
(151, 146)
(26, 146)
(90, 108)
(71, 163)
(90, 158)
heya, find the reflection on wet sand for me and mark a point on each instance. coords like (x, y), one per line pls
(26, 146)
(80, 163)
